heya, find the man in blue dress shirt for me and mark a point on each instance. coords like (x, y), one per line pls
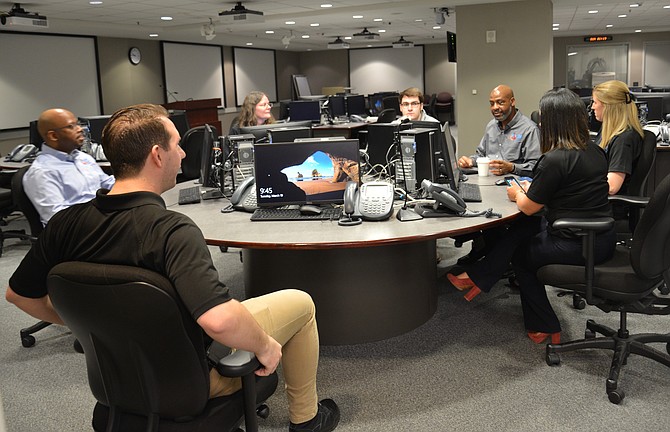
(62, 175)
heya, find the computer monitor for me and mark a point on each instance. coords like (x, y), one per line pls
(301, 86)
(305, 110)
(376, 103)
(314, 172)
(337, 106)
(355, 105)
(180, 121)
(35, 137)
(95, 126)
(448, 166)
(207, 174)
(260, 133)
(288, 134)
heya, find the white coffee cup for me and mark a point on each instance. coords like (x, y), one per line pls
(483, 166)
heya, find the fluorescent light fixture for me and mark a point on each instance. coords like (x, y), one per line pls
(357, 16)
(556, 24)
(289, 22)
(249, 43)
(638, 31)
(623, 16)
(572, 54)
(154, 35)
(436, 27)
(269, 32)
(166, 18)
(305, 36)
(634, 5)
(593, 11)
(609, 26)
(381, 31)
(314, 25)
(347, 38)
(326, 5)
(378, 19)
(95, 3)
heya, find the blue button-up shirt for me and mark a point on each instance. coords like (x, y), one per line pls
(57, 180)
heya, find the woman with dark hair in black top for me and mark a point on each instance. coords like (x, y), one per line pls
(569, 180)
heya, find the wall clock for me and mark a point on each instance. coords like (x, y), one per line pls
(135, 55)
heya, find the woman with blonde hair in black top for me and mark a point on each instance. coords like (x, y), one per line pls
(621, 133)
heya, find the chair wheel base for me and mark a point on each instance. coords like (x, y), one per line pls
(578, 302)
(27, 341)
(263, 411)
(616, 396)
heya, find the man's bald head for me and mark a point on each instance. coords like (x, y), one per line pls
(60, 130)
(503, 105)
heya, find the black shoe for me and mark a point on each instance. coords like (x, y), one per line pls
(469, 259)
(325, 420)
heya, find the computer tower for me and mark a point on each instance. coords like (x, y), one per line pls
(241, 159)
(417, 160)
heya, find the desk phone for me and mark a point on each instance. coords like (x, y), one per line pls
(372, 201)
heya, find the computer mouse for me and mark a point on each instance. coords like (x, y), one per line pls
(308, 209)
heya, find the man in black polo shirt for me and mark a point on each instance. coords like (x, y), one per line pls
(130, 225)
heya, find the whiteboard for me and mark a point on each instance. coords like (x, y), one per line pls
(254, 70)
(657, 63)
(192, 71)
(374, 70)
(39, 72)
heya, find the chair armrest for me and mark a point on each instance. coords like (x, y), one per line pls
(231, 363)
(595, 225)
(636, 201)
(588, 228)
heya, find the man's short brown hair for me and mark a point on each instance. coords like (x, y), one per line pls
(411, 92)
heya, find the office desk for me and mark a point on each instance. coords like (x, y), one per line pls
(369, 282)
(12, 165)
(347, 130)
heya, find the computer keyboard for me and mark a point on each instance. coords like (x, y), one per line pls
(189, 195)
(469, 192)
(286, 214)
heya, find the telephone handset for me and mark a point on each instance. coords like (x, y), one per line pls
(445, 198)
(372, 201)
(244, 197)
(22, 152)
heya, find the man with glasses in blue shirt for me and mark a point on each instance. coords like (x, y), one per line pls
(62, 175)
(411, 105)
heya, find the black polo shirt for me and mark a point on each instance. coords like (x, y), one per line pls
(131, 229)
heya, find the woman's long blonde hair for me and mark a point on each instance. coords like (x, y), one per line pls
(248, 112)
(619, 110)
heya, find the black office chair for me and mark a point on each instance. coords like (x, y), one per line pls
(429, 104)
(445, 105)
(391, 102)
(626, 283)
(145, 354)
(535, 116)
(637, 186)
(386, 116)
(8, 205)
(26, 207)
(191, 143)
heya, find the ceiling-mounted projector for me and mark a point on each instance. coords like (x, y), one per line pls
(366, 35)
(402, 43)
(338, 44)
(240, 14)
(18, 16)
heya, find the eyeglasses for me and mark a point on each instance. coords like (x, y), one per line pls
(410, 104)
(71, 126)
(268, 105)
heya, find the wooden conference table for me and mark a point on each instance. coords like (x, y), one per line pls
(369, 282)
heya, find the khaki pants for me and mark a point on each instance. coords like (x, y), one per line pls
(289, 317)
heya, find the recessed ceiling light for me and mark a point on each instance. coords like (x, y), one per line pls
(609, 26)
(305, 36)
(250, 43)
(357, 16)
(326, 5)
(418, 20)
(369, 46)
(638, 31)
(634, 5)
(623, 16)
(572, 54)
(166, 18)
(269, 32)
(666, 7)
(381, 31)
(378, 19)
(556, 25)
(289, 22)
(153, 34)
(593, 11)
(314, 25)
(94, 3)
(348, 38)
(436, 27)
(555, 28)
